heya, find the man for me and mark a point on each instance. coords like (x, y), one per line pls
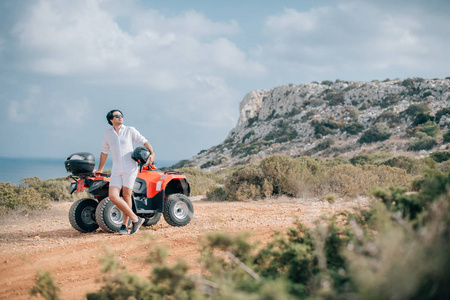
(120, 140)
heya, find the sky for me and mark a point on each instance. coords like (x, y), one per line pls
(179, 69)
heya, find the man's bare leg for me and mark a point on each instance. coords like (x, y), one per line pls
(126, 193)
(114, 195)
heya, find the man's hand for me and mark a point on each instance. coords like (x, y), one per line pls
(103, 157)
(150, 160)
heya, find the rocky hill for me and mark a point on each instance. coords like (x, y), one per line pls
(338, 118)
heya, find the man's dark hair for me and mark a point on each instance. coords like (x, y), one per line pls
(110, 115)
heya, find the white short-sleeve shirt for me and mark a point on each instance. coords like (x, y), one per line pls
(121, 147)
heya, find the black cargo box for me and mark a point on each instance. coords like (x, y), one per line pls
(80, 162)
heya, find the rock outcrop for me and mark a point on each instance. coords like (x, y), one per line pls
(333, 119)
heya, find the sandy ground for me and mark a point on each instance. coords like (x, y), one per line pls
(45, 240)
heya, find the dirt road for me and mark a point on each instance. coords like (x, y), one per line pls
(45, 240)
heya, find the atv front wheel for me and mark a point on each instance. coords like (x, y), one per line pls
(178, 210)
(82, 215)
(109, 216)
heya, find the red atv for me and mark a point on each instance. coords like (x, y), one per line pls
(154, 193)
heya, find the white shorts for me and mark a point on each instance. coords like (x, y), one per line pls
(124, 179)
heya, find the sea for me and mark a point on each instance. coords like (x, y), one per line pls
(12, 170)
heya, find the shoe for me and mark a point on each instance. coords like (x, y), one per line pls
(123, 229)
(137, 225)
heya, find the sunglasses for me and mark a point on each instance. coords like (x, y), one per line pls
(118, 116)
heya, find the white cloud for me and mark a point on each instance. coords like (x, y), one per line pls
(85, 38)
(190, 23)
(22, 111)
(292, 19)
(72, 37)
(355, 35)
(50, 112)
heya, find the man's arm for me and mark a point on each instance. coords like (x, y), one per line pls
(151, 158)
(101, 165)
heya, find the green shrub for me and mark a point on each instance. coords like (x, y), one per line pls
(33, 193)
(415, 109)
(321, 130)
(249, 149)
(309, 114)
(351, 181)
(422, 119)
(200, 182)
(274, 175)
(442, 112)
(370, 158)
(213, 162)
(247, 136)
(353, 113)
(408, 83)
(429, 128)
(54, 189)
(251, 121)
(216, 193)
(283, 175)
(426, 94)
(182, 164)
(165, 281)
(316, 102)
(377, 133)
(422, 142)
(242, 184)
(282, 133)
(389, 100)
(446, 136)
(354, 128)
(325, 144)
(45, 286)
(14, 197)
(431, 186)
(413, 166)
(327, 82)
(389, 117)
(324, 128)
(396, 200)
(440, 156)
(334, 97)
(295, 111)
(386, 265)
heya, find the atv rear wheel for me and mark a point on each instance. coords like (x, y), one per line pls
(178, 210)
(109, 216)
(82, 215)
(151, 220)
